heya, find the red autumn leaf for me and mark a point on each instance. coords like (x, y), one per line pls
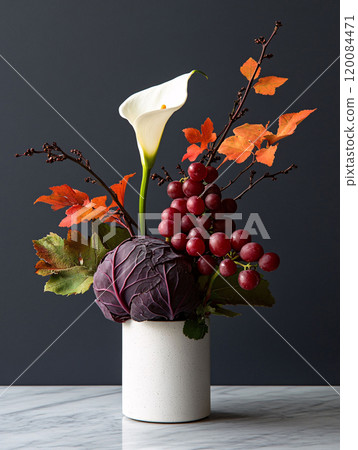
(96, 209)
(63, 196)
(81, 208)
(266, 155)
(268, 85)
(120, 189)
(236, 148)
(287, 124)
(194, 136)
(73, 215)
(192, 152)
(255, 133)
(248, 68)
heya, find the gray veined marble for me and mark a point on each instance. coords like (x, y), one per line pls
(89, 417)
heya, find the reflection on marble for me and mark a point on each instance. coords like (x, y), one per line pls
(90, 417)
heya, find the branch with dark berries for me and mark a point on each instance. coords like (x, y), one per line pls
(56, 154)
(167, 177)
(238, 110)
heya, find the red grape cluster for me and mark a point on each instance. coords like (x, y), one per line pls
(191, 225)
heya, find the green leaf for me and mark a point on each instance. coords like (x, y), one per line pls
(112, 236)
(54, 255)
(99, 249)
(76, 280)
(71, 263)
(218, 310)
(203, 282)
(195, 328)
(227, 291)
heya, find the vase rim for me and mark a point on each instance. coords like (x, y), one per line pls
(158, 321)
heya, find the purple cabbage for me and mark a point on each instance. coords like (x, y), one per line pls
(144, 279)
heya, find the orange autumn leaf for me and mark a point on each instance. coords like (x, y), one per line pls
(63, 196)
(268, 85)
(248, 68)
(287, 124)
(194, 137)
(236, 148)
(81, 208)
(192, 152)
(255, 133)
(266, 155)
(120, 188)
(73, 215)
(96, 209)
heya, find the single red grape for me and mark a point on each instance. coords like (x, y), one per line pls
(251, 252)
(249, 279)
(169, 213)
(175, 189)
(269, 262)
(212, 201)
(224, 226)
(204, 221)
(239, 238)
(166, 228)
(178, 241)
(212, 189)
(206, 264)
(191, 187)
(199, 233)
(195, 247)
(218, 210)
(219, 226)
(227, 267)
(219, 244)
(180, 205)
(187, 223)
(195, 205)
(197, 171)
(211, 174)
(229, 205)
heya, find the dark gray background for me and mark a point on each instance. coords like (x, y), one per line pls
(86, 57)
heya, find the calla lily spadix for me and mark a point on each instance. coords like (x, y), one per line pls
(148, 111)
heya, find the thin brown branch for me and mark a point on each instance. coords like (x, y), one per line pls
(55, 153)
(239, 174)
(272, 176)
(241, 98)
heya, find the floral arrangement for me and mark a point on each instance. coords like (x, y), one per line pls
(203, 264)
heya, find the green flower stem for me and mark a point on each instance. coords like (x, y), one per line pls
(143, 198)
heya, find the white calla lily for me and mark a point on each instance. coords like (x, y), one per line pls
(148, 111)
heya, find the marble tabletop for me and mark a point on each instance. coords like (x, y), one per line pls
(89, 417)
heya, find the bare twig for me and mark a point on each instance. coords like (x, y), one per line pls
(239, 174)
(273, 177)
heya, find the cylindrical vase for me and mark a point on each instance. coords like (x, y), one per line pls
(165, 375)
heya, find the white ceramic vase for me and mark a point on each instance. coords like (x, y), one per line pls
(165, 375)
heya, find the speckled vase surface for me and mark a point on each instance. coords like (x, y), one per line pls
(165, 375)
